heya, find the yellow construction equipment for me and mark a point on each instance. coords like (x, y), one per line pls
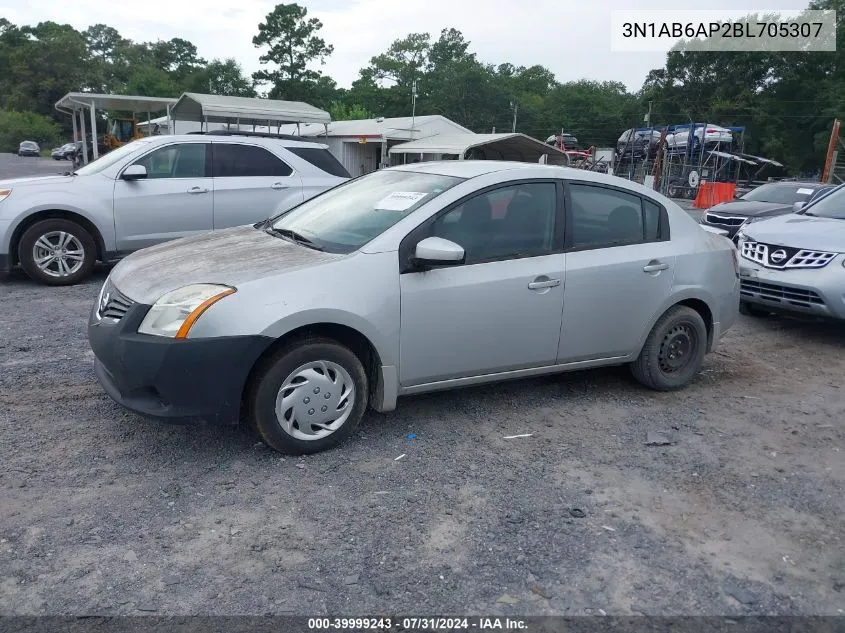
(120, 132)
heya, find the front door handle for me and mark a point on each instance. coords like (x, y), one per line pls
(278, 185)
(548, 283)
(197, 190)
(655, 266)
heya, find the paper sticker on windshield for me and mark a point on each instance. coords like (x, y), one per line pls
(399, 200)
(805, 192)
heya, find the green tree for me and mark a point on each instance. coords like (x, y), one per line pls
(221, 77)
(104, 47)
(40, 64)
(292, 46)
(26, 126)
(176, 56)
(342, 112)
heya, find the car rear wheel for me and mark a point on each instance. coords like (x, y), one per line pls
(673, 352)
(308, 397)
(57, 252)
(749, 309)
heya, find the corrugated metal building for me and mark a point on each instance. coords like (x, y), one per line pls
(363, 145)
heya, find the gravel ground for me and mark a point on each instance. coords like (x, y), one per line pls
(104, 512)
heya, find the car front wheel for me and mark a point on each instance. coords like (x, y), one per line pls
(673, 352)
(308, 397)
(57, 252)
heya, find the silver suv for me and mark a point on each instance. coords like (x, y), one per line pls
(153, 190)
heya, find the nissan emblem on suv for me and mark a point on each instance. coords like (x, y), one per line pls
(778, 256)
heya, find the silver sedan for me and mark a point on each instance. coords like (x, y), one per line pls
(410, 280)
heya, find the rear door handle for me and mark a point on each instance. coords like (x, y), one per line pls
(197, 190)
(278, 185)
(655, 267)
(549, 283)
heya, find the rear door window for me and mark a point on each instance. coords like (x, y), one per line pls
(322, 159)
(242, 161)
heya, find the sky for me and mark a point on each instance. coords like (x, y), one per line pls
(570, 37)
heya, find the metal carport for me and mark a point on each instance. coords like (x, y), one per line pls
(75, 103)
(244, 110)
(516, 147)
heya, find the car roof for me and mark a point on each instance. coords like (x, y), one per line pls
(234, 138)
(798, 183)
(474, 168)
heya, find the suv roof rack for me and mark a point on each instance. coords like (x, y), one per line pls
(284, 137)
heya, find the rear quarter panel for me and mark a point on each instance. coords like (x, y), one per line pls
(704, 270)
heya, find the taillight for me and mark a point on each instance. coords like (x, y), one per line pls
(712, 131)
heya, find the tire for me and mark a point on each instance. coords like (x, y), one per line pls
(79, 243)
(292, 364)
(749, 309)
(654, 368)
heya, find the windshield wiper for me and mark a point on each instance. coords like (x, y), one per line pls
(293, 236)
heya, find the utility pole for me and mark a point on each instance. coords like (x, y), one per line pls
(515, 107)
(413, 107)
(648, 116)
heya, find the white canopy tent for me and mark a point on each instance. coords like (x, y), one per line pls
(515, 147)
(76, 103)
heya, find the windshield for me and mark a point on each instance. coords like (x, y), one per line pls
(348, 216)
(107, 160)
(780, 194)
(830, 205)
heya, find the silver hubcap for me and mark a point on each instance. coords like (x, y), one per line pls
(315, 400)
(58, 254)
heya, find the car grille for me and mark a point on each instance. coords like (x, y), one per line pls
(725, 220)
(774, 256)
(113, 304)
(783, 294)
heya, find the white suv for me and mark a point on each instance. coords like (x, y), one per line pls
(153, 190)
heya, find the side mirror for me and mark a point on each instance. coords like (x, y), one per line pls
(435, 251)
(798, 206)
(134, 172)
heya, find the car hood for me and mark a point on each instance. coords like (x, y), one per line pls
(35, 181)
(750, 208)
(800, 231)
(229, 256)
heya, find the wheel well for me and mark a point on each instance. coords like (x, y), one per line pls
(704, 310)
(49, 215)
(349, 337)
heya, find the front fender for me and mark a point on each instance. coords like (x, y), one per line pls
(89, 207)
(380, 340)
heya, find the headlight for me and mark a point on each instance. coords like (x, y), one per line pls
(5, 193)
(175, 313)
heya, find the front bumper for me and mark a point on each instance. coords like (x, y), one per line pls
(818, 292)
(731, 229)
(177, 380)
